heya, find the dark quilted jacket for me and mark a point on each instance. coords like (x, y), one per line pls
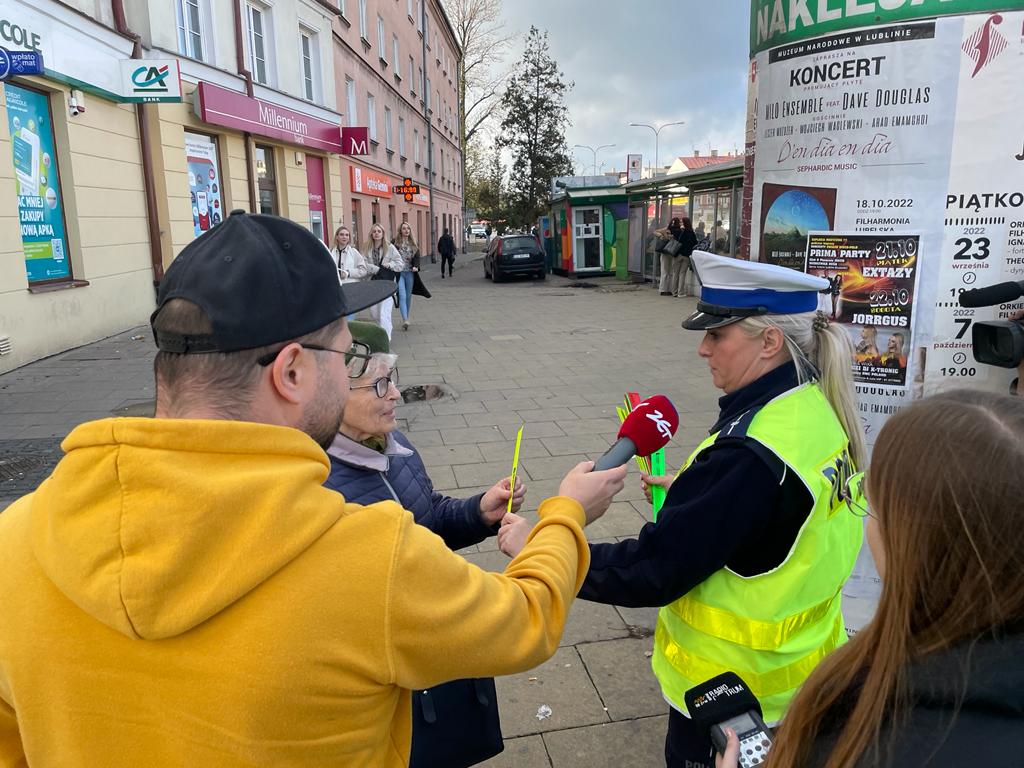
(457, 521)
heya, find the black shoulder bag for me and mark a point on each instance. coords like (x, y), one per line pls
(456, 724)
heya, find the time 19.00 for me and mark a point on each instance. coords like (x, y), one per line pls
(959, 371)
(893, 202)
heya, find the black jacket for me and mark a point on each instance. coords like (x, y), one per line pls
(446, 245)
(734, 506)
(952, 724)
(688, 238)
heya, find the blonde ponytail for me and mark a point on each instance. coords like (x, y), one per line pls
(821, 350)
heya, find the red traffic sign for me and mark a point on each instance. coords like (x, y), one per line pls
(407, 189)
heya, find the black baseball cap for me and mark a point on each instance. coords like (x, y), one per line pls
(261, 280)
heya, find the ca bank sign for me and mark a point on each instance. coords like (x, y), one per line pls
(150, 80)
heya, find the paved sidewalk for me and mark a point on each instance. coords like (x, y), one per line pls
(555, 355)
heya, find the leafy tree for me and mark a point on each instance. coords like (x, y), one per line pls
(485, 183)
(534, 119)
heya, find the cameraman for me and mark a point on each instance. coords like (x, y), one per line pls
(1015, 384)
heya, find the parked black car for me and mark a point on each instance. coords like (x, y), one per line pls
(514, 255)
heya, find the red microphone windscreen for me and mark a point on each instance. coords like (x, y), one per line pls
(651, 424)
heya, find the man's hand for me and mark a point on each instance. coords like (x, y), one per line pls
(513, 534)
(494, 503)
(593, 490)
(731, 758)
(646, 481)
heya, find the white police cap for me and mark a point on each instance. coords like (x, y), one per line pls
(732, 289)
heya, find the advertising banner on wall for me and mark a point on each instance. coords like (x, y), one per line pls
(40, 206)
(892, 133)
(203, 182)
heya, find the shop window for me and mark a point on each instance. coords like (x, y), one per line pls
(266, 179)
(260, 43)
(350, 96)
(388, 137)
(40, 200)
(371, 115)
(192, 17)
(401, 137)
(309, 56)
(203, 181)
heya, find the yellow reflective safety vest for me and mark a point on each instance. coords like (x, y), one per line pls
(774, 628)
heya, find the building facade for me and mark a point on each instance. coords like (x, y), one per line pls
(102, 191)
(396, 65)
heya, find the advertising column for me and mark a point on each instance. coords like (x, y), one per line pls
(883, 157)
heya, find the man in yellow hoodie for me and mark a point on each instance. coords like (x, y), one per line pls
(184, 591)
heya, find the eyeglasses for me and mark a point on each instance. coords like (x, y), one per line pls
(383, 384)
(853, 493)
(357, 357)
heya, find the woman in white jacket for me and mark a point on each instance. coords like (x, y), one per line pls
(352, 267)
(386, 262)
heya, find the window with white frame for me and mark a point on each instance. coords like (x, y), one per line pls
(191, 17)
(426, 28)
(309, 59)
(341, 6)
(426, 153)
(394, 55)
(388, 137)
(363, 31)
(401, 137)
(409, 7)
(350, 97)
(371, 115)
(426, 93)
(412, 73)
(416, 146)
(419, 15)
(261, 42)
(381, 50)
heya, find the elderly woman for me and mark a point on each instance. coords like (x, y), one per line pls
(372, 461)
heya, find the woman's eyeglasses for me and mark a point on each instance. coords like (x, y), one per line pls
(357, 357)
(383, 384)
(853, 492)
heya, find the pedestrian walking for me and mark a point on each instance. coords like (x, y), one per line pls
(351, 266)
(446, 247)
(410, 256)
(384, 257)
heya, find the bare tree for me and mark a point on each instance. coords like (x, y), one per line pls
(484, 42)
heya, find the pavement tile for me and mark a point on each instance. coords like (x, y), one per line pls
(621, 670)
(469, 475)
(424, 438)
(448, 455)
(562, 446)
(511, 404)
(550, 468)
(614, 745)
(443, 480)
(502, 452)
(419, 423)
(459, 407)
(524, 752)
(621, 519)
(562, 683)
(641, 620)
(605, 426)
(472, 435)
(590, 622)
(545, 414)
(598, 411)
(490, 419)
(533, 429)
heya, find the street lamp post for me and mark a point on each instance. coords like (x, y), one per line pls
(594, 150)
(657, 132)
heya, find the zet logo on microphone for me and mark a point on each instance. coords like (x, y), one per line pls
(150, 79)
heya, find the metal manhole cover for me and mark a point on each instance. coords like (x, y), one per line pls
(425, 393)
(16, 467)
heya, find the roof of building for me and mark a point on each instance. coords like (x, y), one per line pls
(693, 162)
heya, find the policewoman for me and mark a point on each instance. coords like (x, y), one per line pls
(754, 541)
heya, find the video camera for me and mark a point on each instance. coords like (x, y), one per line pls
(996, 342)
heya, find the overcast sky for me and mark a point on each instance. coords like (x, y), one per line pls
(645, 61)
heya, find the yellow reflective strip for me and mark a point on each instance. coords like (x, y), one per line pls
(750, 633)
(692, 669)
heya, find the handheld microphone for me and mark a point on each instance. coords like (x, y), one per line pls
(726, 701)
(1000, 293)
(648, 427)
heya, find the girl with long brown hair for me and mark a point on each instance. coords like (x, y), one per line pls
(936, 678)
